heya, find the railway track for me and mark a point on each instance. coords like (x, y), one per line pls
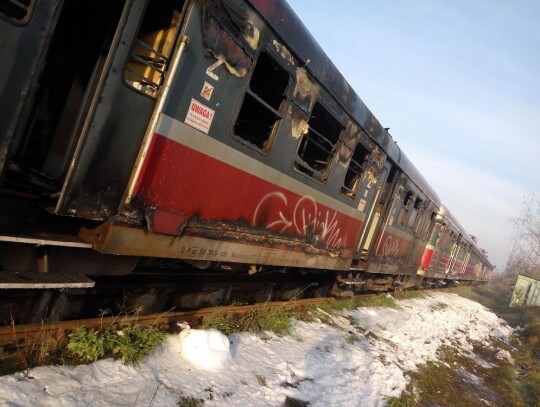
(17, 339)
(157, 290)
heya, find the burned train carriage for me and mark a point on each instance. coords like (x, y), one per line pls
(215, 132)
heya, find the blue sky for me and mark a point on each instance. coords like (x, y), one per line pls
(458, 83)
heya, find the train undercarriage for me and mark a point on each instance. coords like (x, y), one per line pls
(49, 273)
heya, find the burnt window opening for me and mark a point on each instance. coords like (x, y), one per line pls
(423, 224)
(18, 12)
(415, 217)
(385, 194)
(444, 238)
(317, 146)
(431, 225)
(408, 199)
(357, 167)
(151, 52)
(405, 212)
(260, 111)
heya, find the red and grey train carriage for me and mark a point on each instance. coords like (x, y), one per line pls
(215, 132)
(453, 254)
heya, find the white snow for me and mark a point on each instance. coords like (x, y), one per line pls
(204, 349)
(361, 364)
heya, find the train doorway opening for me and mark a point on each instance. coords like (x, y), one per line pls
(73, 59)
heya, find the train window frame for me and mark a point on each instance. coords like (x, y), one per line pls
(28, 10)
(416, 215)
(356, 171)
(265, 144)
(406, 209)
(315, 136)
(429, 224)
(156, 62)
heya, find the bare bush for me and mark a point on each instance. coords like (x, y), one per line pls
(525, 255)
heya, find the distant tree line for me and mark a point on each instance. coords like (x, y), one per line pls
(525, 255)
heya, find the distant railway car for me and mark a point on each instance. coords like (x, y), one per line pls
(452, 254)
(214, 132)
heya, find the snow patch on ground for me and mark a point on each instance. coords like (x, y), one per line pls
(364, 363)
(204, 349)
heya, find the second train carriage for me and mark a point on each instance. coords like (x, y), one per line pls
(216, 132)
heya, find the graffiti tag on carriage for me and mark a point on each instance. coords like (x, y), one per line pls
(391, 247)
(302, 217)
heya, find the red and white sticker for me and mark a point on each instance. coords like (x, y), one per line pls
(362, 205)
(207, 91)
(199, 116)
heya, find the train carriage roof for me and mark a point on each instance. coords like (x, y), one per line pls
(445, 212)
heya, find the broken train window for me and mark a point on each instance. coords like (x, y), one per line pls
(151, 52)
(317, 147)
(263, 101)
(356, 171)
(406, 209)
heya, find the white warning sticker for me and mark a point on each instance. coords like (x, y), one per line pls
(199, 116)
(362, 205)
(207, 91)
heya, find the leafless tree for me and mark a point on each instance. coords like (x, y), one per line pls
(525, 255)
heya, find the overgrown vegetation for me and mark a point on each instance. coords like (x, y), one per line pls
(496, 296)
(409, 295)
(190, 402)
(278, 320)
(45, 348)
(381, 300)
(456, 379)
(130, 343)
(260, 319)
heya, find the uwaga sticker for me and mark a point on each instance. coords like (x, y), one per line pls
(199, 116)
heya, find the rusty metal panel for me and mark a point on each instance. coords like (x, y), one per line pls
(117, 238)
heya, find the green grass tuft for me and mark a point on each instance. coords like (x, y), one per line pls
(87, 345)
(190, 402)
(380, 300)
(258, 320)
(130, 343)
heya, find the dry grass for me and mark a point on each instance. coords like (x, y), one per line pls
(457, 380)
(29, 350)
(257, 320)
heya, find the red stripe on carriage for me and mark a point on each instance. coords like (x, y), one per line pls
(186, 182)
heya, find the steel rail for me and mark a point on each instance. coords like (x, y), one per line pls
(15, 338)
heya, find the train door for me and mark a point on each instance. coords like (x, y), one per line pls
(98, 71)
(384, 194)
(395, 239)
(420, 223)
(26, 28)
(119, 107)
(69, 47)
